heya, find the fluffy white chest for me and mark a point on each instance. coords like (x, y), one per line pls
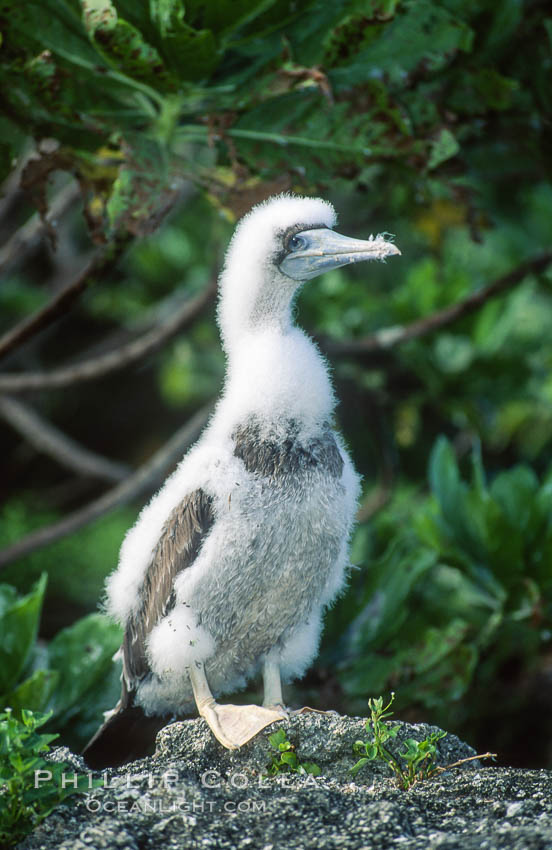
(267, 560)
(276, 554)
(276, 377)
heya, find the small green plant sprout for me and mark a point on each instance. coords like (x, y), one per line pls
(285, 760)
(415, 762)
(22, 805)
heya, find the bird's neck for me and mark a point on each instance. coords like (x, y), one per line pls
(274, 371)
(275, 374)
(252, 303)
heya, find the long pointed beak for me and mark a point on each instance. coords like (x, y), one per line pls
(322, 249)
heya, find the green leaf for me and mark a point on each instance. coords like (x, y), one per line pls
(82, 721)
(166, 14)
(34, 719)
(449, 588)
(437, 643)
(423, 33)
(444, 147)
(8, 597)
(515, 491)
(227, 17)
(190, 53)
(496, 91)
(19, 619)
(360, 763)
(444, 479)
(452, 674)
(388, 582)
(82, 654)
(20, 755)
(277, 738)
(548, 27)
(311, 32)
(311, 768)
(34, 693)
(53, 25)
(123, 45)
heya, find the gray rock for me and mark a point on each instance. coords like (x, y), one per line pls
(194, 794)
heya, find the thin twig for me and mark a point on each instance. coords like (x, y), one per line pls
(388, 338)
(46, 438)
(10, 190)
(60, 303)
(440, 769)
(30, 233)
(104, 364)
(145, 479)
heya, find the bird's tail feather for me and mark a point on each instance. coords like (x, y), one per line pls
(128, 734)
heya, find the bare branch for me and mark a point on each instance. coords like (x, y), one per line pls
(60, 303)
(10, 190)
(145, 479)
(111, 361)
(46, 438)
(388, 338)
(32, 231)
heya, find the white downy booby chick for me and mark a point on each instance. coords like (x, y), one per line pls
(228, 570)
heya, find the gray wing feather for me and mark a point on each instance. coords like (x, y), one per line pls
(128, 734)
(177, 548)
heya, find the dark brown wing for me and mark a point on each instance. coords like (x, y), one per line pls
(128, 734)
(180, 541)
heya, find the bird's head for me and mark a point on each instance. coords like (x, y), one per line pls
(276, 247)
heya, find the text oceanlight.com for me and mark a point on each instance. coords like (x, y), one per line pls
(164, 807)
(139, 800)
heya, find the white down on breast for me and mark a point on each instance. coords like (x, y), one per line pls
(272, 378)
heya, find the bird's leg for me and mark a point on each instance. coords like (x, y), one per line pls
(232, 725)
(273, 691)
(272, 685)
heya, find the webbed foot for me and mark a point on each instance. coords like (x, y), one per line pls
(232, 725)
(235, 725)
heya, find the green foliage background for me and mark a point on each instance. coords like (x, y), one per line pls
(429, 119)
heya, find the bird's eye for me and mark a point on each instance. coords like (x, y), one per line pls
(295, 243)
